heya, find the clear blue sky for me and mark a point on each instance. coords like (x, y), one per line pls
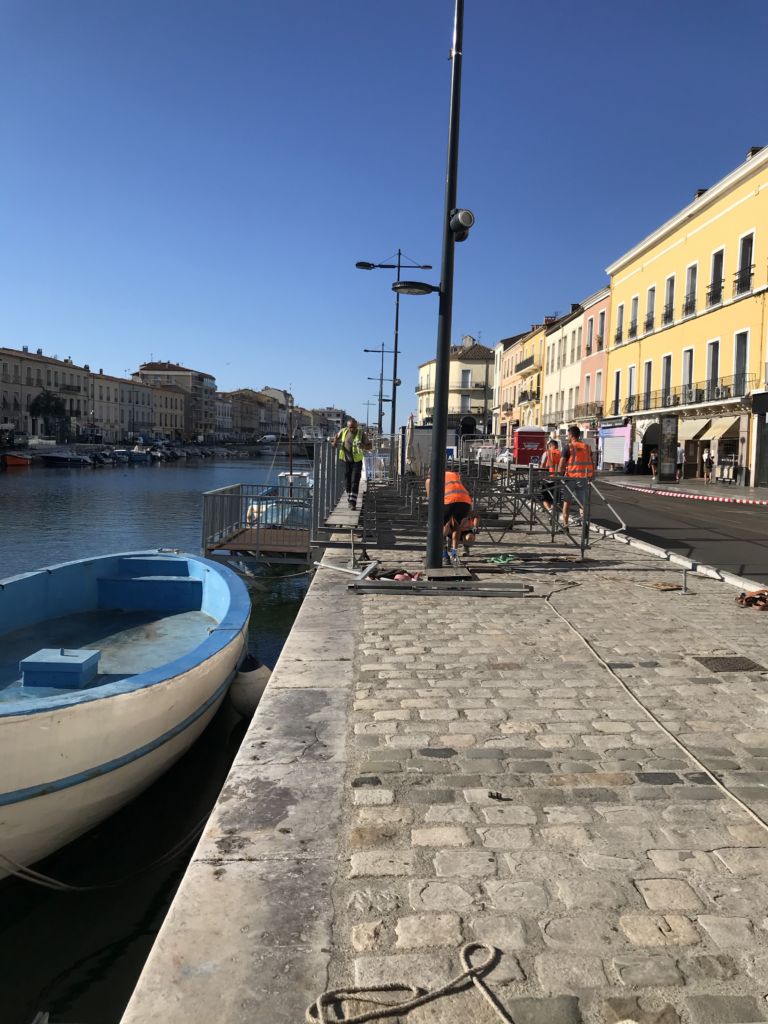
(195, 180)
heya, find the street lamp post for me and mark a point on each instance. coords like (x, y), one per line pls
(380, 379)
(411, 265)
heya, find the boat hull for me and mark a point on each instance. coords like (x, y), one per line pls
(13, 461)
(103, 755)
(68, 761)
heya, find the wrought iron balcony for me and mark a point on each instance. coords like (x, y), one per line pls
(689, 304)
(528, 396)
(423, 387)
(614, 407)
(632, 332)
(599, 341)
(506, 407)
(669, 313)
(73, 389)
(720, 389)
(618, 335)
(715, 293)
(588, 411)
(649, 322)
(742, 280)
(529, 364)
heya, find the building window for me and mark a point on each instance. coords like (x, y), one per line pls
(647, 378)
(716, 281)
(616, 393)
(619, 323)
(743, 280)
(466, 378)
(632, 333)
(650, 309)
(689, 303)
(666, 379)
(740, 363)
(573, 346)
(587, 385)
(601, 330)
(578, 342)
(598, 385)
(590, 334)
(669, 301)
(687, 369)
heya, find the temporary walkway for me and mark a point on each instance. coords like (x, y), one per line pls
(577, 778)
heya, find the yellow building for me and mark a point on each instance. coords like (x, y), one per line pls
(528, 376)
(688, 330)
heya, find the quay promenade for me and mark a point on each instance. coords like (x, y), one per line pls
(559, 776)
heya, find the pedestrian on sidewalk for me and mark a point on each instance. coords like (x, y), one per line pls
(708, 464)
(578, 468)
(680, 462)
(352, 442)
(550, 463)
(653, 463)
(457, 504)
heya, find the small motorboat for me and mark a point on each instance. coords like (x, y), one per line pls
(65, 459)
(16, 460)
(139, 453)
(110, 668)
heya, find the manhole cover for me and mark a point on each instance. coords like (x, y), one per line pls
(732, 664)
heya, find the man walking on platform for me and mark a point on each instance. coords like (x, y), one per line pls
(578, 468)
(352, 442)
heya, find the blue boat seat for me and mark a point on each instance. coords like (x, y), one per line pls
(151, 593)
(152, 565)
(60, 668)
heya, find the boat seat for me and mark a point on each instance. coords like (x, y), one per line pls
(152, 565)
(60, 668)
(151, 593)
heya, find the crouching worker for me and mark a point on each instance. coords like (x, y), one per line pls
(457, 505)
(468, 528)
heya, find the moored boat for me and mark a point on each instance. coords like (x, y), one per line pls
(16, 460)
(65, 459)
(110, 668)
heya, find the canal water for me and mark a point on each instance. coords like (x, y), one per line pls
(77, 954)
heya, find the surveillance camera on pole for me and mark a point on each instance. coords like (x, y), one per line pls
(460, 223)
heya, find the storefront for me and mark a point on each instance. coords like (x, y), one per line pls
(614, 447)
(723, 437)
(689, 435)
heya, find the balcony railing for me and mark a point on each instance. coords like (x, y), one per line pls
(528, 396)
(557, 416)
(689, 305)
(669, 313)
(715, 293)
(588, 411)
(599, 341)
(649, 322)
(524, 364)
(73, 389)
(614, 407)
(742, 280)
(618, 335)
(632, 332)
(720, 389)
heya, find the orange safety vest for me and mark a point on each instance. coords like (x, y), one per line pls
(580, 465)
(552, 461)
(455, 491)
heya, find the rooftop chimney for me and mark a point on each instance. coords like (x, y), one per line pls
(39, 351)
(101, 372)
(549, 320)
(699, 193)
(753, 151)
(574, 306)
(25, 348)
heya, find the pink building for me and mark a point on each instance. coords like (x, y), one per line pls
(596, 319)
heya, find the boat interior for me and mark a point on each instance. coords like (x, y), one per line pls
(117, 617)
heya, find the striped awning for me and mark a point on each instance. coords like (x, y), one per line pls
(688, 430)
(719, 427)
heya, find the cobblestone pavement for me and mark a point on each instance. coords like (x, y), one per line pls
(503, 786)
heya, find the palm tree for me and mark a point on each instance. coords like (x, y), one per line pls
(50, 409)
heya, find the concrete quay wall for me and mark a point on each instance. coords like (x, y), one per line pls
(552, 775)
(248, 936)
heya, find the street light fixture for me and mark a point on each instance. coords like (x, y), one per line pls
(380, 379)
(414, 288)
(411, 264)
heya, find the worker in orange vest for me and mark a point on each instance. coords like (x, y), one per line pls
(550, 463)
(457, 504)
(578, 468)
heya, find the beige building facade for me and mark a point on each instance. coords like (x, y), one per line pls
(470, 388)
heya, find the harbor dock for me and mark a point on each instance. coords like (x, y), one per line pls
(575, 776)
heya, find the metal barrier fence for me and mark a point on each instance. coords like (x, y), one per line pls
(264, 521)
(328, 473)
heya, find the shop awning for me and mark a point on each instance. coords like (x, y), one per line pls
(719, 428)
(688, 430)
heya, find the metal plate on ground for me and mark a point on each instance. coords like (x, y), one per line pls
(730, 664)
(450, 572)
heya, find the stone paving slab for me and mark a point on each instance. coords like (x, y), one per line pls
(476, 772)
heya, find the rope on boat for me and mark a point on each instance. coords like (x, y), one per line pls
(28, 874)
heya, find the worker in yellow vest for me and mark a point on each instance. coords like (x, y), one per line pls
(352, 442)
(578, 468)
(457, 504)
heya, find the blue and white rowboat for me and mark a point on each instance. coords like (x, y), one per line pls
(110, 668)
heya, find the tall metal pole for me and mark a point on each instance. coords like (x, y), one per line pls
(393, 419)
(443, 360)
(381, 391)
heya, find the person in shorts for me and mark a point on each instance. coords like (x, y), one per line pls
(457, 505)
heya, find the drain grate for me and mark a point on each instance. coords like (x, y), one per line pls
(730, 664)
